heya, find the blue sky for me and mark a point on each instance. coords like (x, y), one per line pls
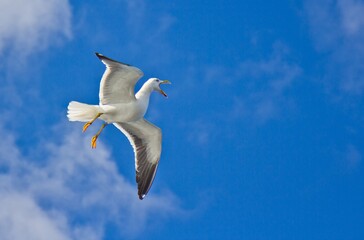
(262, 130)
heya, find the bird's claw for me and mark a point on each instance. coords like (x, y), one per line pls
(86, 126)
(93, 141)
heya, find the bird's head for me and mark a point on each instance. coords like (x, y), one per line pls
(155, 84)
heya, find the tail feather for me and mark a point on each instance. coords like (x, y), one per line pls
(81, 112)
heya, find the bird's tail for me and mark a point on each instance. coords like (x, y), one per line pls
(81, 112)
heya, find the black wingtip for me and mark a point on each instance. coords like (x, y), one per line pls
(99, 55)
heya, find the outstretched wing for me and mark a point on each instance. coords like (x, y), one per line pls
(146, 140)
(118, 82)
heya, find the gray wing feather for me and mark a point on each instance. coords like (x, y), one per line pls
(146, 141)
(118, 81)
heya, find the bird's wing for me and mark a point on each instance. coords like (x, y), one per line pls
(146, 141)
(118, 82)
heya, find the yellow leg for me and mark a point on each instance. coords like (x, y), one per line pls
(94, 138)
(90, 122)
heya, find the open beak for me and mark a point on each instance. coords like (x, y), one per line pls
(160, 90)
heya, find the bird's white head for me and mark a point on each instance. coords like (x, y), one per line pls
(155, 84)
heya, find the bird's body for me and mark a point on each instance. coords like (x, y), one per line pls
(120, 106)
(122, 112)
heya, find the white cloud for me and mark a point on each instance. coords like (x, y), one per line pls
(26, 28)
(22, 218)
(30, 26)
(72, 192)
(337, 29)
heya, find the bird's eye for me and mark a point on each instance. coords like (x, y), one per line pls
(157, 80)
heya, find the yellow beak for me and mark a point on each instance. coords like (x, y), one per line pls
(164, 82)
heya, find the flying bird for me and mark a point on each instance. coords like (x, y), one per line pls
(125, 110)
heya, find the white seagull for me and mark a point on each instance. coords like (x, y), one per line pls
(119, 105)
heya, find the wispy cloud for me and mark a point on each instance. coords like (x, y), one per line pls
(352, 20)
(254, 91)
(143, 21)
(70, 192)
(30, 26)
(147, 27)
(22, 218)
(26, 28)
(267, 84)
(337, 29)
(353, 157)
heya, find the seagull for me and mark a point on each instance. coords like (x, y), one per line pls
(125, 110)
